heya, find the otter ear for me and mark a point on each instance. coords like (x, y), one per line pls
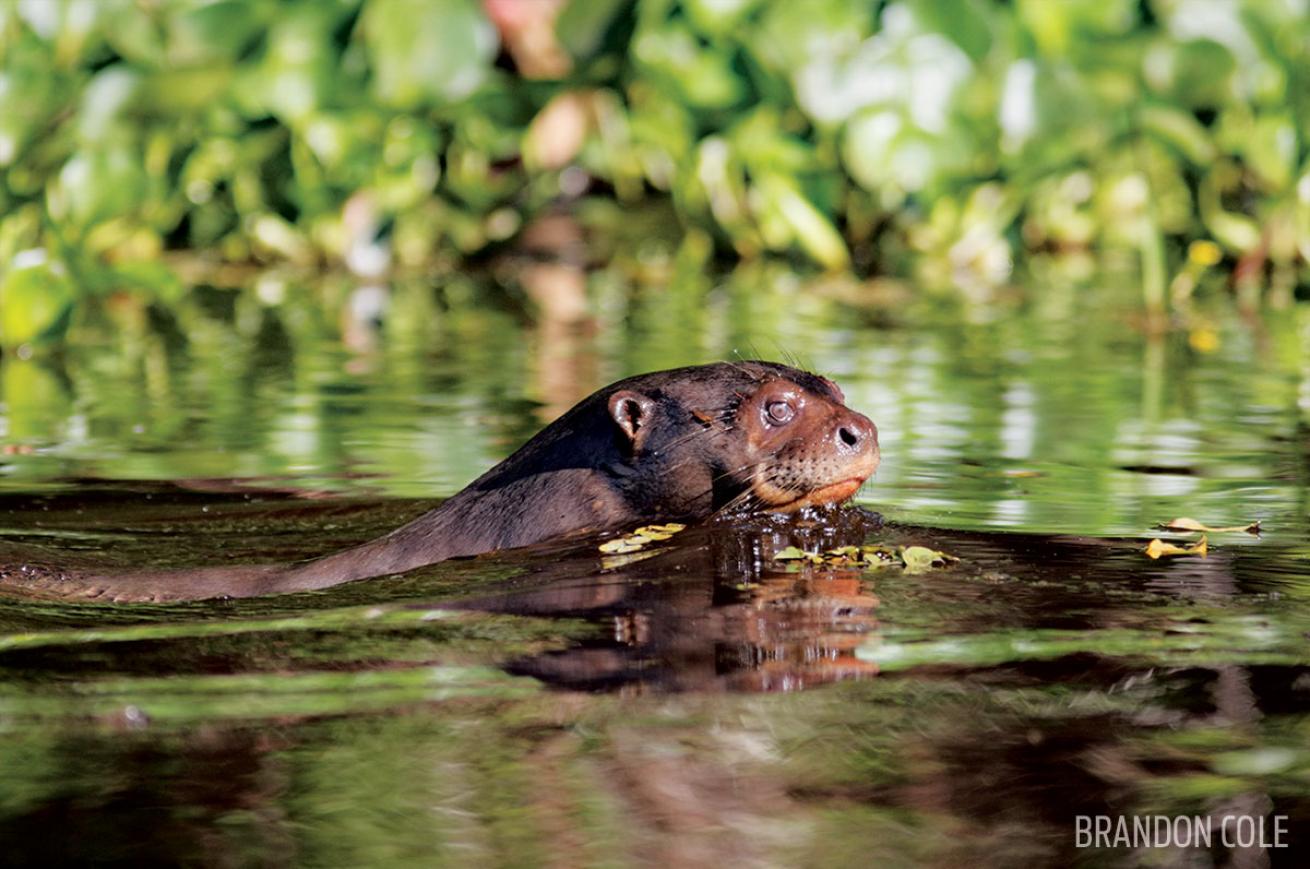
(632, 412)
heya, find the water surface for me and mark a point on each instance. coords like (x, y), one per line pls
(707, 704)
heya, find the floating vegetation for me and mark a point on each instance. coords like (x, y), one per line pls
(914, 559)
(1191, 525)
(1158, 548)
(638, 539)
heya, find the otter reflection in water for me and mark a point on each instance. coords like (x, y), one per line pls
(682, 445)
(713, 610)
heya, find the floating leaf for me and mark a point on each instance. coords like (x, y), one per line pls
(921, 558)
(1157, 548)
(1191, 525)
(621, 545)
(914, 559)
(879, 556)
(658, 532)
(639, 538)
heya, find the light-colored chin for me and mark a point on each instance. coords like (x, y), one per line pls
(831, 494)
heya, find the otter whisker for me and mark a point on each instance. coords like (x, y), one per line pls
(745, 501)
(723, 475)
(755, 377)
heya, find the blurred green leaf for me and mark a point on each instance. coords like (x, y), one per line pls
(245, 127)
(1179, 129)
(98, 184)
(36, 299)
(105, 102)
(583, 25)
(701, 75)
(1272, 150)
(218, 31)
(1198, 72)
(426, 53)
(718, 17)
(812, 229)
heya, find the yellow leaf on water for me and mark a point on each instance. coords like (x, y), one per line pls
(920, 558)
(621, 544)
(1157, 548)
(1191, 525)
(915, 559)
(666, 528)
(880, 556)
(639, 538)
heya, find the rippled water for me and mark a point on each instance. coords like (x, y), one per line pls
(706, 705)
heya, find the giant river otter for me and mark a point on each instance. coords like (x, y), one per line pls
(674, 445)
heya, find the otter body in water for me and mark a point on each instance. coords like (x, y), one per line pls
(672, 445)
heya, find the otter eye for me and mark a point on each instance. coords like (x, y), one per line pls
(779, 411)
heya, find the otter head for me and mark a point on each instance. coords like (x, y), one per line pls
(749, 436)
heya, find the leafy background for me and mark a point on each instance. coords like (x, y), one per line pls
(940, 141)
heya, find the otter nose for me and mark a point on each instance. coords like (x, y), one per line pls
(856, 434)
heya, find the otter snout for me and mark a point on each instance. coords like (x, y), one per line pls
(855, 434)
(855, 438)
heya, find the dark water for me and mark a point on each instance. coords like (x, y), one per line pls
(706, 705)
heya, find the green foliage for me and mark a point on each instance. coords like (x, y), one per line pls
(35, 299)
(940, 139)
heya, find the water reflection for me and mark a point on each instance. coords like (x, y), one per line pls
(716, 612)
(984, 705)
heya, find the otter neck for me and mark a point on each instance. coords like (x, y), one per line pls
(486, 516)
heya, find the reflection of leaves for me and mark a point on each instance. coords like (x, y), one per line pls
(36, 400)
(1185, 641)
